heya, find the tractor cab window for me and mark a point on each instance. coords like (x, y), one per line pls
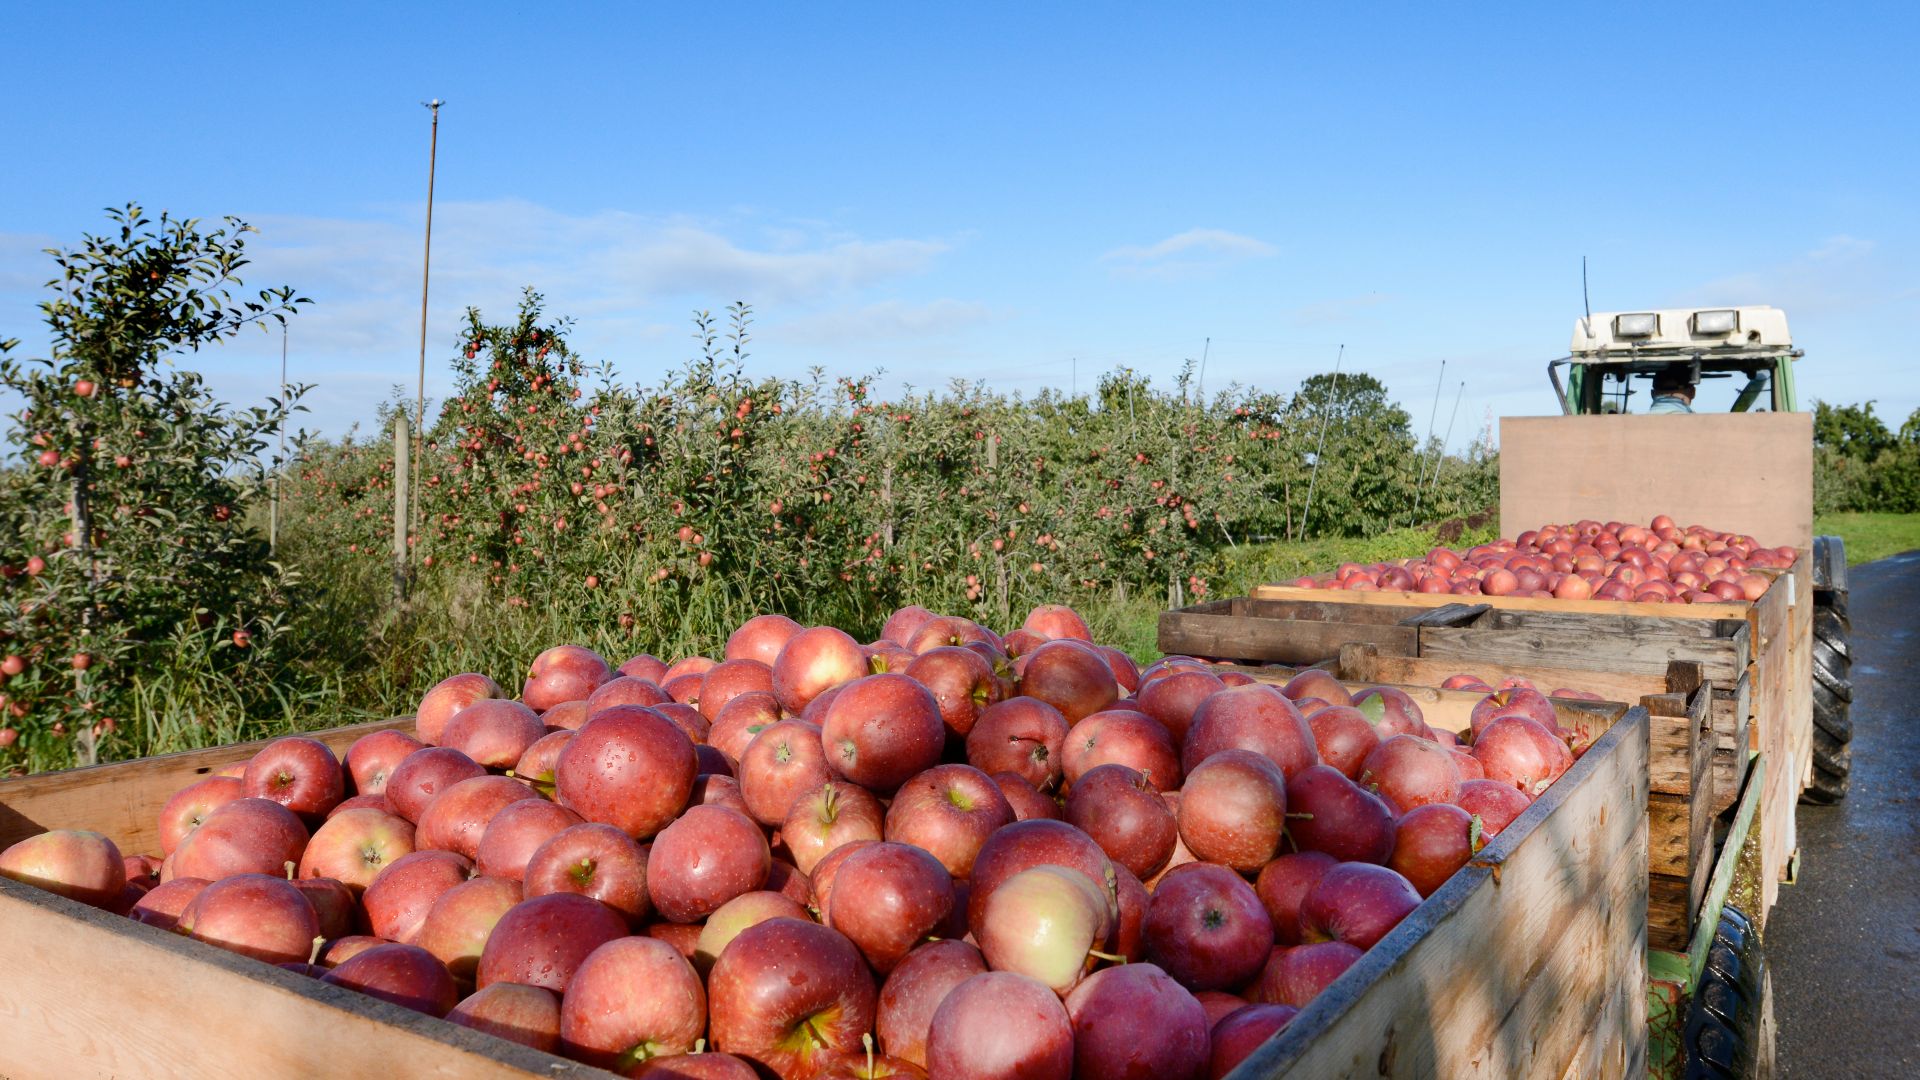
(1716, 392)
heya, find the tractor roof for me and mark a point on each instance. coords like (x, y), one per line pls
(1704, 333)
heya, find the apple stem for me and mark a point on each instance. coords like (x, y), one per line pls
(314, 956)
(1111, 957)
(1476, 834)
(699, 1046)
(866, 1040)
(1300, 816)
(289, 870)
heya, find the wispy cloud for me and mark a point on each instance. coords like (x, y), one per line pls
(1338, 309)
(1183, 254)
(1840, 274)
(885, 321)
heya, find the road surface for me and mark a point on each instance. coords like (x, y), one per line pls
(1844, 943)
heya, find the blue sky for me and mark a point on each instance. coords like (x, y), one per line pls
(994, 191)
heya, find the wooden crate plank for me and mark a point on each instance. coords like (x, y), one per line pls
(123, 799)
(1324, 611)
(1279, 640)
(88, 994)
(1479, 981)
(1731, 609)
(1720, 659)
(1378, 666)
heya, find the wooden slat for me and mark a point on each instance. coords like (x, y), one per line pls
(1669, 913)
(1597, 647)
(123, 800)
(88, 994)
(1504, 603)
(1507, 969)
(1284, 641)
(1323, 611)
(1449, 615)
(1637, 625)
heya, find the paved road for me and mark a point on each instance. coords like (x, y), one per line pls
(1844, 943)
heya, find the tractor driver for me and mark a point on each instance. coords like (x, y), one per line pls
(1672, 392)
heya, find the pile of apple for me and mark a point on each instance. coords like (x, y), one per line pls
(1660, 563)
(945, 853)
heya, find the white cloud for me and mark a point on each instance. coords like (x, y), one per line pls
(1190, 252)
(887, 320)
(1840, 274)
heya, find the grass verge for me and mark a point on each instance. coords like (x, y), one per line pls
(1871, 537)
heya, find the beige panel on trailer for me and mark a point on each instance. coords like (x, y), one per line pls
(1745, 472)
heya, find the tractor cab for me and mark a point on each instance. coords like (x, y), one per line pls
(1735, 360)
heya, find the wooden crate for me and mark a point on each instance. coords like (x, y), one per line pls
(88, 994)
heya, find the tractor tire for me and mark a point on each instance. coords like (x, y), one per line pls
(1729, 1023)
(1832, 675)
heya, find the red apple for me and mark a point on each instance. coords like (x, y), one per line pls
(1135, 1021)
(515, 832)
(1344, 737)
(625, 690)
(712, 790)
(1296, 976)
(542, 940)
(447, 697)
(1282, 886)
(645, 666)
(901, 896)
(950, 630)
(399, 898)
(726, 923)
(299, 773)
(1207, 928)
(1122, 737)
(729, 680)
(423, 775)
(761, 638)
(786, 994)
(1126, 816)
(1335, 815)
(1055, 621)
(257, 915)
(1037, 842)
(691, 665)
(1218, 1005)
(915, 989)
(962, 684)
(1129, 937)
(189, 807)
(1000, 1024)
(457, 817)
(566, 716)
(814, 660)
(340, 950)
(162, 904)
(948, 811)
(593, 860)
(1025, 799)
(830, 815)
(563, 673)
(1233, 810)
(1045, 922)
(1407, 771)
(494, 733)
(782, 763)
(1072, 677)
(405, 975)
(1494, 803)
(1516, 751)
(1315, 682)
(74, 863)
(903, 624)
(821, 879)
(1515, 701)
(1257, 718)
(245, 836)
(537, 765)
(1023, 736)
(1173, 698)
(630, 768)
(632, 1000)
(354, 846)
(743, 718)
(528, 1015)
(461, 919)
(1238, 1034)
(705, 858)
(1431, 842)
(1357, 903)
(371, 758)
(882, 730)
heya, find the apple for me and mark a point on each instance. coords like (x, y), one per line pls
(782, 763)
(904, 623)
(1233, 810)
(353, 846)
(245, 836)
(1173, 698)
(1494, 803)
(1431, 842)
(705, 858)
(624, 690)
(713, 763)
(334, 904)
(1122, 737)
(814, 660)
(528, 1015)
(189, 807)
(1295, 976)
(257, 915)
(963, 685)
(824, 871)
(1284, 883)
(1072, 677)
(632, 1000)
(1126, 673)
(882, 730)
(645, 666)
(1318, 683)
(951, 630)
(1126, 816)
(731, 679)
(948, 811)
(1219, 1004)
(727, 921)
(1344, 737)
(74, 863)
(405, 975)
(1357, 903)
(630, 768)
(1207, 928)
(542, 940)
(515, 832)
(1463, 682)
(1255, 717)
(457, 817)
(1515, 701)
(1000, 1024)
(685, 689)
(371, 758)
(1025, 799)
(1391, 711)
(424, 774)
(447, 697)
(162, 904)
(593, 860)
(399, 898)
(915, 989)
(787, 880)
(1023, 736)
(1048, 923)
(1238, 1034)
(462, 918)
(537, 765)
(494, 733)
(712, 790)
(342, 949)
(1055, 621)
(563, 673)
(830, 815)
(1135, 1021)
(691, 665)
(762, 637)
(1407, 771)
(787, 993)
(1516, 751)
(902, 895)
(566, 716)
(1037, 842)
(299, 773)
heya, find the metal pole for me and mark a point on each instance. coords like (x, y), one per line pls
(280, 463)
(1419, 461)
(1325, 420)
(405, 522)
(1443, 445)
(401, 443)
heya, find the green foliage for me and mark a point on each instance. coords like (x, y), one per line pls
(122, 528)
(1861, 466)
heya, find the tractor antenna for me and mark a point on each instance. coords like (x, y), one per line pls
(1586, 302)
(1204, 350)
